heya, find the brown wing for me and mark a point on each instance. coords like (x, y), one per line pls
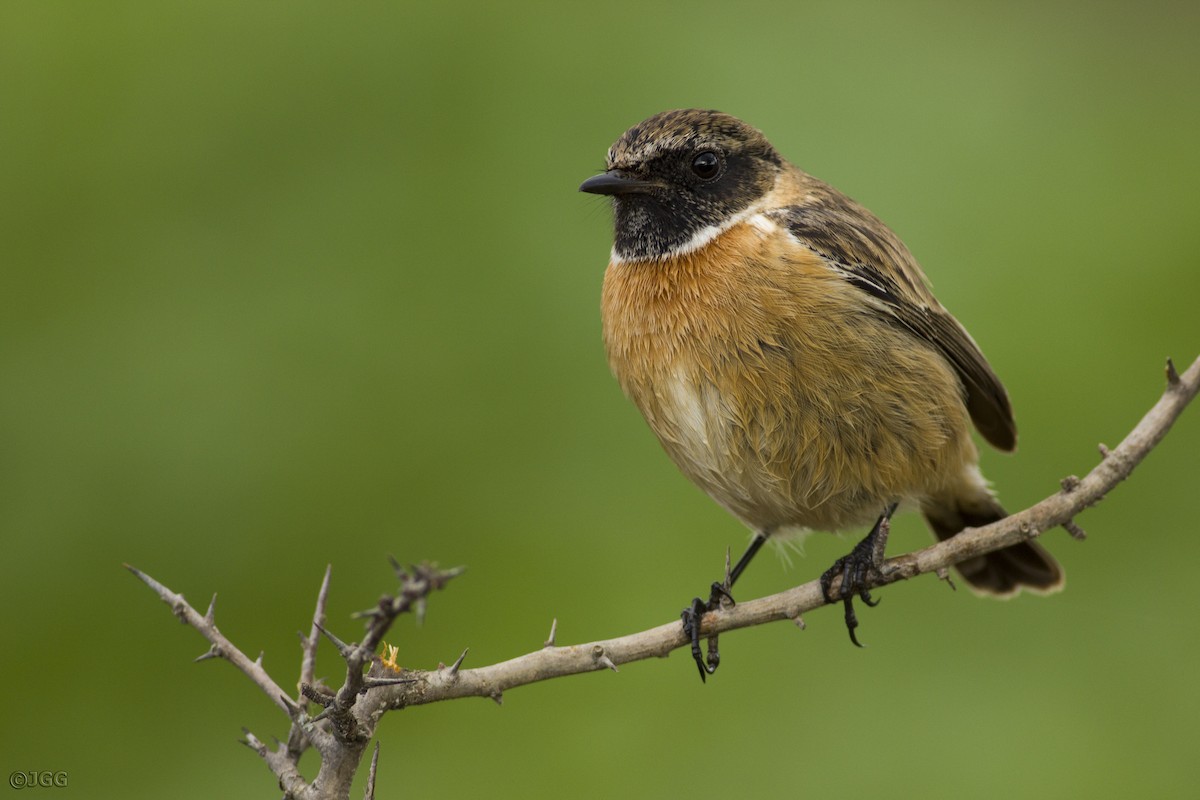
(866, 253)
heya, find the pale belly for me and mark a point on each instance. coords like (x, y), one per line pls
(766, 462)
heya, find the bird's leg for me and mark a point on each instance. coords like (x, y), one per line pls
(719, 591)
(854, 567)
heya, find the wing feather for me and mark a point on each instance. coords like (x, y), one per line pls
(860, 248)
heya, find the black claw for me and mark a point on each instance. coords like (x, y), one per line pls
(851, 621)
(718, 592)
(691, 628)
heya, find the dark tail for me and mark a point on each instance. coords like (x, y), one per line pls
(1005, 572)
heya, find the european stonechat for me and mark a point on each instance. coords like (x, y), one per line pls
(785, 348)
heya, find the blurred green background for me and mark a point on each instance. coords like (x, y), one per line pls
(287, 284)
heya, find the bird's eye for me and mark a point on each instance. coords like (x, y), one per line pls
(706, 165)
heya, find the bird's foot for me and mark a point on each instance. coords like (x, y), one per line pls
(692, 616)
(855, 568)
(718, 597)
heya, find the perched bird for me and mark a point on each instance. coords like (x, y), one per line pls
(785, 348)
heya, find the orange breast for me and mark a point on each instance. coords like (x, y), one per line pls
(773, 386)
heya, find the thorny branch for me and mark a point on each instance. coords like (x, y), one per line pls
(338, 733)
(341, 731)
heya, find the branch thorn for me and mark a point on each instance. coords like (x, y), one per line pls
(943, 574)
(253, 743)
(602, 658)
(210, 615)
(345, 650)
(1172, 374)
(553, 632)
(458, 662)
(1077, 533)
(370, 682)
(212, 652)
(290, 706)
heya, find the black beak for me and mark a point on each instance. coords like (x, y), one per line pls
(614, 183)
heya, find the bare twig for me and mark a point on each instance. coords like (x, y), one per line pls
(1059, 509)
(416, 584)
(341, 731)
(370, 792)
(220, 646)
(300, 736)
(308, 664)
(336, 733)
